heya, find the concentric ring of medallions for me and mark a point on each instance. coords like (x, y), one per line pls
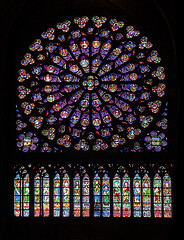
(91, 84)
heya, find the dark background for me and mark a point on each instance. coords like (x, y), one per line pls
(22, 22)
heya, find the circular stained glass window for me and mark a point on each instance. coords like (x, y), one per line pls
(91, 84)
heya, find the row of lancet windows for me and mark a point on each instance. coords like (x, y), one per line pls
(100, 196)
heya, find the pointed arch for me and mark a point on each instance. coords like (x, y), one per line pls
(56, 195)
(17, 195)
(137, 195)
(146, 196)
(157, 199)
(126, 208)
(37, 200)
(21, 193)
(46, 198)
(41, 193)
(167, 200)
(97, 196)
(66, 195)
(106, 196)
(116, 196)
(76, 196)
(86, 196)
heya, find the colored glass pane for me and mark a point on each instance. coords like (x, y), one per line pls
(76, 196)
(81, 87)
(46, 195)
(105, 196)
(137, 196)
(26, 195)
(97, 196)
(126, 196)
(21, 193)
(117, 196)
(167, 202)
(37, 189)
(146, 196)
(157, 189)
(66, 195)
(17, 195)
(57, 195)
(86, 196)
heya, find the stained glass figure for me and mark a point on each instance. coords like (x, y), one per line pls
(137, 196)
(76, 196)
(17, 194)
(41, 193)
(116, 196)
(167, 201)
(26, 195)
(91, 84)
(105, 196)
(37, 197)
(146, 196)
(66, 195)
(86, 196)
(97, 196)
(21, 193)
(157, 189)
(46, 195)
(126, 196)
(57, 206)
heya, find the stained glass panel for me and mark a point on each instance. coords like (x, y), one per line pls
(105, 196)
(126, 196)
(66, 195)
(21, 193)
(146, 196)
(46, 195)
(26, 195)
(157, 189)
(76, 196)
(117, 196)
(97, 196)
(57, 195)
(37, 189)
(86, 196)
(17, 195)
(137, 196)
(167, 202)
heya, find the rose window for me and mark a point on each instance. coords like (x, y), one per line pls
(91, 84)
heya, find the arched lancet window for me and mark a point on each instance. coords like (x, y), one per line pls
(77, 196)
(126, 196)
(146, 196)
(97, 196)
(57, 197)
(162, 194)
(117, 196)
(137, 195)
(21, 193)
(167, 200)
(121, 194)
(41, 193)
(157, 189)
(106, 196)
(61, 193)
(86, 196)
(66, 195)
(142, 193)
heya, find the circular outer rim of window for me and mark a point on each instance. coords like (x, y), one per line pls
(91, 84)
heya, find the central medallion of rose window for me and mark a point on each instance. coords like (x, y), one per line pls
(90, 83)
